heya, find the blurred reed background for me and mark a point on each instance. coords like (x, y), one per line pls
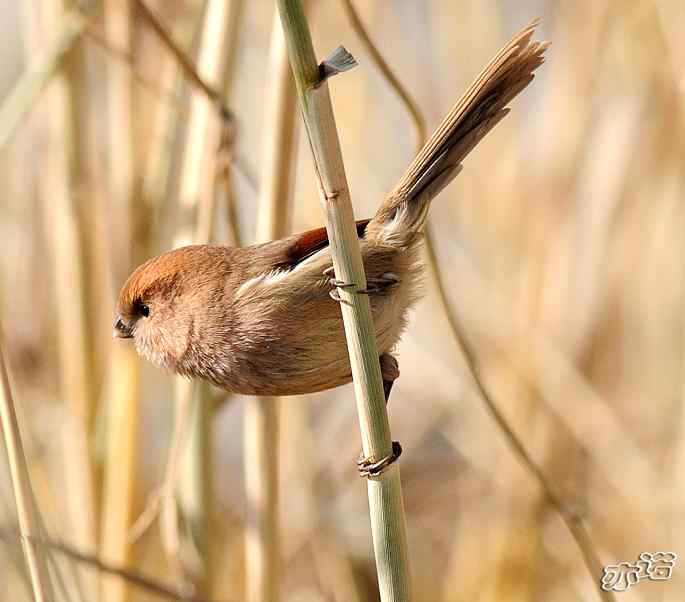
(560, 245)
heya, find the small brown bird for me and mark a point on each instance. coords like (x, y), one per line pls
(263, 320)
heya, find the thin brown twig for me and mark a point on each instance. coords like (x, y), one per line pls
(571, 518)
(155, 88)
(186, 64)
(228, 158)
(569, 515)
(131, 575)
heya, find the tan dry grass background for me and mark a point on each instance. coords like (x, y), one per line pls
(561, 240)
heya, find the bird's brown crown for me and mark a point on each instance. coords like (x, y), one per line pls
(156, 276)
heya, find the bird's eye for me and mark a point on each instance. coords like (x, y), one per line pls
(144, 310)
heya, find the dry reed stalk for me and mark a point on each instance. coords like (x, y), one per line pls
(120, 462)
(65, 172)
(161, 162)
(196, 201)
(27, 511)
(300, 517)
(158, 169)
(203, 131)
(121, 468)
(262, 538)
(279, 121)
(261, 455)
(169, 111)
(214, 93)
(119, 31)
(194, 494)
(25, 92)
(385, 495)
(157, 86)
(65, 578)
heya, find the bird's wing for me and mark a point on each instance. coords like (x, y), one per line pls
(266, 264)
(297, 248)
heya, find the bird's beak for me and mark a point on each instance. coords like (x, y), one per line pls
(121, 329)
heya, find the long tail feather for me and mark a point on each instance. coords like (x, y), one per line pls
(403, 212)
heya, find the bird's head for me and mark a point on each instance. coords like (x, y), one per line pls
(164, 301)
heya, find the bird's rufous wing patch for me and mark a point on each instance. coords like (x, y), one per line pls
(306, 244)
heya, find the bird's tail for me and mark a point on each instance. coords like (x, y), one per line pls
(403, 212)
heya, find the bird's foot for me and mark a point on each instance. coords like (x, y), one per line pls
(373, 285)
(373, 469)
(334, 293)
(390, 371)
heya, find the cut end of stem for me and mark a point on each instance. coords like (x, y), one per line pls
(338, 62)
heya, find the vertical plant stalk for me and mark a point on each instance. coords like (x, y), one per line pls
(385, 494)
(27, 512)
(181, 59)
(196, 200)
(194, 492)
(162, 156)
(65, 576)
(121, 469)
(278, 144)
(119, 29)
(121, 460)
(26, 91)
(571, 519)
(64, 198)
(261, 455)
(204, 131)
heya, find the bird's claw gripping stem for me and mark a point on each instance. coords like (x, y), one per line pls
(373, 285)
(373, 469)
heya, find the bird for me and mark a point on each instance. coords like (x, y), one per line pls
(264, 319)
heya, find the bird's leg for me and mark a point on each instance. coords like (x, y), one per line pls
(373, 285)
(367, 467)
(390, 371)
